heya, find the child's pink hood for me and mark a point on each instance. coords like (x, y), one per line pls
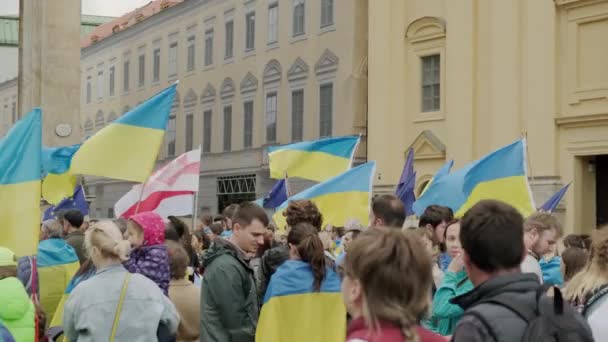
(153, 226)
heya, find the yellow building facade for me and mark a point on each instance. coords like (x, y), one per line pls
(457, 79)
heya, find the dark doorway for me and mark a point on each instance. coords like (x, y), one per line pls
(601, 189)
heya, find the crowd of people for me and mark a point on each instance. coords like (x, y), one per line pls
(491, 275)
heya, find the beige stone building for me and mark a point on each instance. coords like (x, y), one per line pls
(251, 74)
(457, 79)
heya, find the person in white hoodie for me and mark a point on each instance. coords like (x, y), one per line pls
(541, 232)
(588, 289)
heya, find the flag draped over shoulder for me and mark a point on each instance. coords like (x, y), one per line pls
(292, 311)
(169, 191)
(316, 160)
(344, 197)
(552, 202)
(405, 187)
(20, 165)
(500, 175)
(58, 183)
(128, 147)
(76, 201)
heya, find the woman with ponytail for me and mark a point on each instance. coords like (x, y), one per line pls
(115, 305)
(303, 294)
(386, 284)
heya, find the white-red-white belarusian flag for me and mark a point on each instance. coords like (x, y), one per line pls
(169, 191)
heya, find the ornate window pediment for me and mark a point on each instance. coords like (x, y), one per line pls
(208, 95)
(425, 28)
(298, 71)
(249, 84)
(227, 88)
(272, 72)
(427, 146)
(327, 63)
(190, 99)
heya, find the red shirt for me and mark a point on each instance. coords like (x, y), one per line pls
(388, 333)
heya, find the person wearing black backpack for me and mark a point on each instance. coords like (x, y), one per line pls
(506, 305)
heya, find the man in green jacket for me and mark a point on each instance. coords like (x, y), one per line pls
(229, 303)
(71, 221)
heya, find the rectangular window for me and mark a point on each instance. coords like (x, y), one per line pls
(100, 84)
(142, 70)
(88, 89)
(112, 79)
(156, 73)
(191, 52)
(189, 132)
(229, 53)
(209, 47)
(298, 17)
(227, 128)
(327, 12)
(171, 125)
(250, 31)
(125, 76)
(326, 96)
(431, 100)
(297, 115)
(173, 59)
(207, 131)
(273, 23)
(248, 129)
(271, 117)
(110, 212)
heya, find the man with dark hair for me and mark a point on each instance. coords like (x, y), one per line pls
(436, 219)
(72, 220)
(492, 237)
(229, 302)
(387, 211)
(228, 214)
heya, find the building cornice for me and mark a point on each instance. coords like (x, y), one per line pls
(575, 3)
(582, 120)
(8, 84)
(159, 18)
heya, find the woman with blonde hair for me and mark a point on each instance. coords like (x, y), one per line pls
(384, 299)
(131, 308)
(588, 288)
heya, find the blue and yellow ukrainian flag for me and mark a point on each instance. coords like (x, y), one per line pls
(293, 312)
(20, 153)
(342, 198)
(444, 170)
(58, 182)
(316, 160)
(500, 175)
(128, 147)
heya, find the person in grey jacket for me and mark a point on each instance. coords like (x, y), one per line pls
(93, 307)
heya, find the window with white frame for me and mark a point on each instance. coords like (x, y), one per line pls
(250, 31)
(89, 91)
(189, 131)
(431, 97)
(142, 69)
(248, 124)
(209, 47)
(112, 76)
(191, 52)
(327, 13)
(299, 17)
(172, 67)
(297, 115)
(100, 82)
(273, 23)
(326, 98)
(125, 75)
(227, 128)
(156, 65)
(229, 51)
(171, 135)
(207, 131)
(271, 117)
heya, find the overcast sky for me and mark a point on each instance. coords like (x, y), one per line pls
(112, 8)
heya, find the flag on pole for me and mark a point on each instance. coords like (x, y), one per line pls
(405, 187)
(276, 196)
(340, 199)
(500, 175)
(552, 203)
(169, 191)
(316, 160)
(20, 166)
(78, 201)
(128, 147)
(57, 183)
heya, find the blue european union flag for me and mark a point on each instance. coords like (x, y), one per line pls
(552, 203)
(78, 202)
(277, 195)
(405, 187)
